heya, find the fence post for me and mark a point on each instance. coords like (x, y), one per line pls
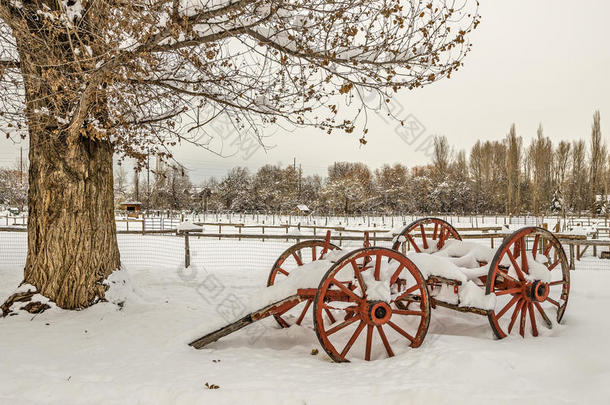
(187, 250)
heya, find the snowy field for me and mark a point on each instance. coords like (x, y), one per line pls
(137, 353)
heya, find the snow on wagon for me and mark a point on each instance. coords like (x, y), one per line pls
(375, 302)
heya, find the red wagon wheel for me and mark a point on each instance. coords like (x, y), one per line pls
(363, 287)
(426, 235)
(296, 256)
(531, 279)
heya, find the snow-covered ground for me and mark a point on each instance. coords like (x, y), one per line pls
(138, 353)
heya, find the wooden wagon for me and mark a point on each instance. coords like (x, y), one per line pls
(374, 302)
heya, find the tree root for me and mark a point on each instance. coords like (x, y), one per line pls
(35, 307)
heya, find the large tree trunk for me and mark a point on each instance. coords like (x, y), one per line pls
(72, 244)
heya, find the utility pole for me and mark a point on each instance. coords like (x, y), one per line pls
(21, 165)
(136, 184)
(300, 179)
(148, 181)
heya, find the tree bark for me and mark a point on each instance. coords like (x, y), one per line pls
(72, 245)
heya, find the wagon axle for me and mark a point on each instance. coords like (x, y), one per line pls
(376, 312)
(537, 291)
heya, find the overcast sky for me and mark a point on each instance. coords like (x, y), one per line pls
(532, 62)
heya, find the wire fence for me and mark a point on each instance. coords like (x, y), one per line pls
(152, 251)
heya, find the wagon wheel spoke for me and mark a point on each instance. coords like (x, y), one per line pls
(514, 317)
(401, 331)
(352, 339)
(281, 270)
(394, 277)
(369, 341)
(505, 275)
(423, 236)
(313, 253)
(406, 293)
(547, 321)
(515, 265)
(330, 315)
(307, 305)
(548, 249)
(552, 301)
(297, 258)
(552, 266)
(346, 290)
(443, 237)
(535, 247)
(434, 234)
(417, 249)
(530, 308)
(522, 320)
(377, 267)
(559, 282)
(407, 312)
(524, 264)
(384, 339)
(508, 306)
(508, 291)
(359, 278)
(350, 309)
(342, 325)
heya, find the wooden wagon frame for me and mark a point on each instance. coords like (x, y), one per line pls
(384, 291)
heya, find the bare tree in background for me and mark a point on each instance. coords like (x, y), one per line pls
(578, 176)
(539, 156)
(561, 166)
(597, 163)
(85, 79)
(441, 157)
(514, 151)
(121, 186)
(13, 190)
(391, 190)
(476, 173)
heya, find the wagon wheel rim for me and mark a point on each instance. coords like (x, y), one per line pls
(526, 296)
(296, 256)
(366, 323)
(432, 233)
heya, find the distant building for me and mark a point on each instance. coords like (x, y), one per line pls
(303, 209)
(130, 206)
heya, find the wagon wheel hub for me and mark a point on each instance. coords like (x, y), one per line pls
(538, 291)
(376, 312)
